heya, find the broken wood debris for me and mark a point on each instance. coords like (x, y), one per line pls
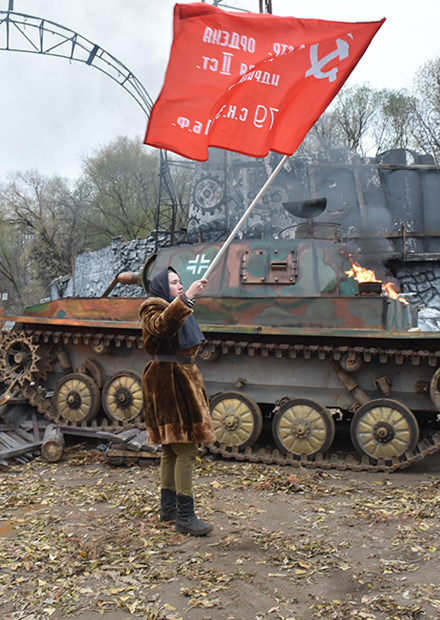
(53, 444)
(21, 439)
(15, 440)
(125, 447)
(22, 453)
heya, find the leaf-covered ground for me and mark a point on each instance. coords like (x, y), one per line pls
(82, 540)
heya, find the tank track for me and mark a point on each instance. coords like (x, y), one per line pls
(351, 462)
(38, 396)
(334, 461)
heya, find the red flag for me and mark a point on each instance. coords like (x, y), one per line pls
(250, 83)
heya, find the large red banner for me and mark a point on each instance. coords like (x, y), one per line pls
(250, 83)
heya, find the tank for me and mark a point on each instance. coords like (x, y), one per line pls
(302, 362)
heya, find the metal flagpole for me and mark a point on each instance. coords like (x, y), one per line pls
(244, 217)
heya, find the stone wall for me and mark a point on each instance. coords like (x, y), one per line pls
(95, 271)
(420, 281)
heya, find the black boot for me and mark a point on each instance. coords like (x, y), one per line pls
(187, 522)
(168, 509)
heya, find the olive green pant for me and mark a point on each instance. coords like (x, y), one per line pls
(177, 466)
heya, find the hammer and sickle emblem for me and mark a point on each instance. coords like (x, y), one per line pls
(341, 52)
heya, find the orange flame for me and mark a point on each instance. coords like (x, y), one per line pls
(360, 273)
(391, 292)
(367, 275)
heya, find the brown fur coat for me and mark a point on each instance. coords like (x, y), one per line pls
(175, 400)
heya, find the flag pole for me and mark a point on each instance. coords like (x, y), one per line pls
(244, 217)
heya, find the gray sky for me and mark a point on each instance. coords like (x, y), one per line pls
(54, 112)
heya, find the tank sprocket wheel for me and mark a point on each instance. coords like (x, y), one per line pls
(303, 426)
(76, 398)
(21, 359)
(236, 418)
(122, 396)
(384, 429)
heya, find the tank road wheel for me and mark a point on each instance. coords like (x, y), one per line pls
(122, 396)
(383, 429)
(76, 398)
(236, 418)
(302, 426)
(434, 389)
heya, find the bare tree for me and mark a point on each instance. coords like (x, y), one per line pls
(42, 231)
(355, 109)
(426, 130)
(394, 120)
(120, 186)
(365, 121)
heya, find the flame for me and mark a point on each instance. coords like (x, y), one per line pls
(389, 289)
(360, 273)
(367, 275)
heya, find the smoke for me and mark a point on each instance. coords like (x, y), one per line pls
(386, 206)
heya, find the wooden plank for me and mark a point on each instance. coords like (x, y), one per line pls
(24, 434)
(7, 440)
(139, 446)
(16, 414)
(142, 437)
(119, 438)
(35, 426)
(16, 437)
(89, 432)
(11, 441)
(12, 453)
(28, 426)
(127, 435)
(7, 427)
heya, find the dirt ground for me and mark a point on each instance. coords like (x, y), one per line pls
(82, 540)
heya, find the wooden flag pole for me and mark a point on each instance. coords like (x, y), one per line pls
(244, 217)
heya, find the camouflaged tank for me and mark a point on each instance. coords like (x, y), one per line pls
(299, 357)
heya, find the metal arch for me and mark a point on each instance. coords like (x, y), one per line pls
(26, 33)
(36, 35)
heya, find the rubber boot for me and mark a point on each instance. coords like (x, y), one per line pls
(187, 522)
(168, 508)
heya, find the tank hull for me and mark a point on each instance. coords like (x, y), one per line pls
(294, 355)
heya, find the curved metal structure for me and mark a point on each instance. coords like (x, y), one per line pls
(35, 35)
(25, 33)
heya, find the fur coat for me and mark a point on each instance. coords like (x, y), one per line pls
(175, 400)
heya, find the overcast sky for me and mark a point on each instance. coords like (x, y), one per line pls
(54, 112)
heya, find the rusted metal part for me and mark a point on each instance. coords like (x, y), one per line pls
(384, 385)
(89, 311)
(7, 395)
(351, 385)
(125, 277)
